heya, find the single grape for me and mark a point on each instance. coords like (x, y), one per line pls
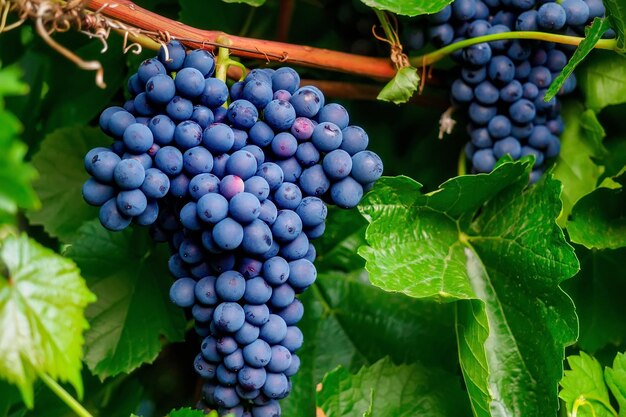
(111, 217)
(96, 193)
(201, 60)
(160, 89)
(197, 160)
(182, 292)
(131, 203)
(162, 128)
(244, 207)
(188, 134)
(288, 196)
(129, 174)
(174, 57)
(228, 234)
(230, 286)
(229, 317)
(551, 16)
(257, 237)
(302, 128)
(242, 114)
(314, 182)
(169, 160)
(293, 313)
(258, 93)
(366, 167)
(189, 82)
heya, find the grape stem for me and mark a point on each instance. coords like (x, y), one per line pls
(128, 13)
(222, 63)
(431, 58)
(461, 167)
(64, 396)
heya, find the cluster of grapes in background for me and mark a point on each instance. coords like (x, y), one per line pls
(502, 84)
(238, 190)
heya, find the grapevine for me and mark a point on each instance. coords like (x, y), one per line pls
(193, 211)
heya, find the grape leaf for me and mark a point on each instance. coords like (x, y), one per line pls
(10, 84)
(585, 381)
(388, 390)
(42, 301)
(16, 175)
(488, 239)
(351, 323)
(253, 3)
(581, 145)
(598, 220)
(9, 395)
(409, 7)
(593, 35)
(129, 274)
(603, 80)
(401, 87)
(616, 380)
(597, 292)
(186, 412)
(60, 163)
(616, 12)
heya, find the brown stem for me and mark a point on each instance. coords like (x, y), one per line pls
(129, 13)
(284, 19)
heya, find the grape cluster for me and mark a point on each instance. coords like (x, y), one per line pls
(238, 191)
(502, 84)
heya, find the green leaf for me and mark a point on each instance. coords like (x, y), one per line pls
(387, 390)
(616, 380)
(616, 12)
(129, 274)
(10, 84)
(598, 220)
(597, 292)
(581, 145)
(409, 7)
(16, 175)
(486, 238)
(9, 395)
(410, 231)
(603, 80)
(186, 412)
(42, 301)
(60, 163)
(351, 323)
(585, 381)
(593, 35)
(253, 3)
(401, 87)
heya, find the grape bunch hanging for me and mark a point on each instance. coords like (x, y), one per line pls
(502, 84)
(238, 190)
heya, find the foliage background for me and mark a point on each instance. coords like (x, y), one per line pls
(138, 352)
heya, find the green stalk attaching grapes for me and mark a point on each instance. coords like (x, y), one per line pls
(439, 54)
(223, 58)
